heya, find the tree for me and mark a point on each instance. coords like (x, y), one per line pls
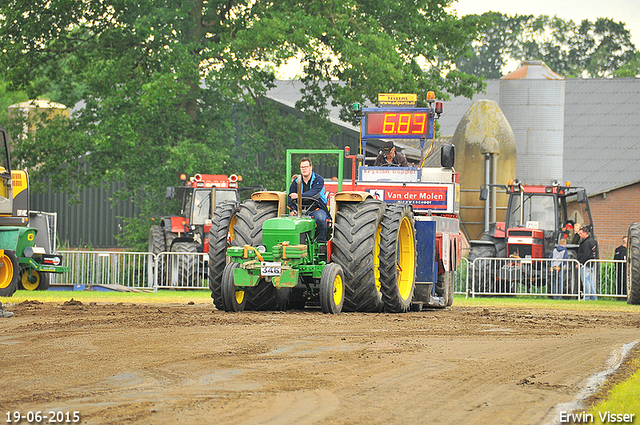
(170, 86)
(589, 49)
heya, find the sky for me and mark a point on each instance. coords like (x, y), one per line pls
(627, 11)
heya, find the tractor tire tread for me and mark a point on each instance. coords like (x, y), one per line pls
(222, 219)
(389, 246)
(633, 264)
(353, 248)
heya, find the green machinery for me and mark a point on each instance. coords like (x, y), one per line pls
(289, 254)
(22, 264)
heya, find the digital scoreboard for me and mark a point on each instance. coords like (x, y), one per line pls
(397, 123)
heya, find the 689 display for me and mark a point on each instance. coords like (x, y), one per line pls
(398, 123)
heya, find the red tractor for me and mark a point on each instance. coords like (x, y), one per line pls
(536, 219)
(188, 231)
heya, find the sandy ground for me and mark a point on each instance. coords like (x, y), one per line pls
(166, 364)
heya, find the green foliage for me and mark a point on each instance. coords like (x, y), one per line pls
(169, 87)
(8, 98)
(630, 69)
(588, 49)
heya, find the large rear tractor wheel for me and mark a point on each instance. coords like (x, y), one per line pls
(9, 273)
(185, 266)
(332, 289)
(355, 248)
(220, 236)
(264, 297)
(633, 264)
(232, 298)
(156, 240)
(32, 280)
(247, 230)
(397, 258)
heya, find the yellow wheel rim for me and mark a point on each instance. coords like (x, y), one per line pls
(376, 259)
(232, 234)
(406, 261)
(239, 297)
(6, 271)
(337, 290)
(26, 284)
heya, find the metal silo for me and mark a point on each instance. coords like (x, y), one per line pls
(485, 154)
(532, 99)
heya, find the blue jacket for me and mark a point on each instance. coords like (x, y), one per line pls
(316, 191)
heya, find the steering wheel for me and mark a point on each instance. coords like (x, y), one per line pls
(390, 164)
(308, 205)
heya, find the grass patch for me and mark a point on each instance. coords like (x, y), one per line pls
(545, 303)
(161, 297)
(623, 398)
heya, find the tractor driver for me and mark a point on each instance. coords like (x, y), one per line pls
(389, 156)
(312, 187)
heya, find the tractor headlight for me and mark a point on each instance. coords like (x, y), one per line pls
(262, 249)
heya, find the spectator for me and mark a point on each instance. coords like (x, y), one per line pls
(588, 250)
(557, 268)
(389, 156)
(621, 269)
(572, 233)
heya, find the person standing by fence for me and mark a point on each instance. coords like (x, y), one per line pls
(557, 268)
(587, 250)
(621, 269)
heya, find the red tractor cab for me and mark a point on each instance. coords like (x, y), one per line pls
(188, 231)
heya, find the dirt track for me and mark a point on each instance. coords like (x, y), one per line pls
(160, 364)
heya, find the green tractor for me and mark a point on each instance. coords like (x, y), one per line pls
(262, 258)
(289, 254)
(23, 265)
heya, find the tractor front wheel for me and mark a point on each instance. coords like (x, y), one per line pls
(232, 299)
(9, 273)
(332, 289)
(633, 264)
(32, 280)
(185, 265)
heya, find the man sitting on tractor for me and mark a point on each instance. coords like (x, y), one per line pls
(389, 157)
(313, 195)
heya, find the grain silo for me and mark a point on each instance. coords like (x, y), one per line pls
(485, 154)
(532, 99)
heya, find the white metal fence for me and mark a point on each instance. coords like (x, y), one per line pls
(485, 276)
(547, 277)
(181, 270)
(134, 269)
